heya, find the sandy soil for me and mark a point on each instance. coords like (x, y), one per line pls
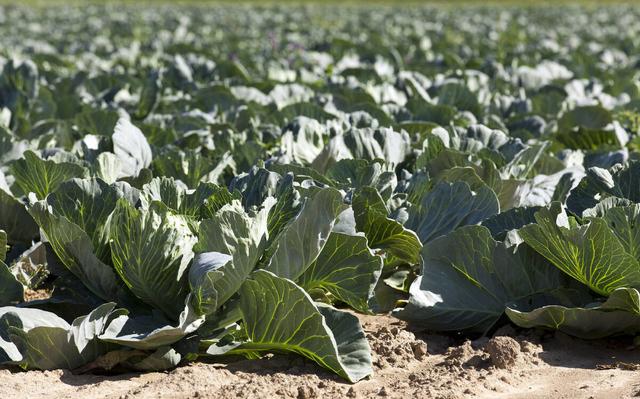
(525, 364)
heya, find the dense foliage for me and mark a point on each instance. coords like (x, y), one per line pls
(196, 182)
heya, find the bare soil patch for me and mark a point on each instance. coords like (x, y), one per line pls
(512, 364)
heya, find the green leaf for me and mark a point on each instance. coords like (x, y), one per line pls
(96, 121)
(131, 147)
(279, 316)
(15, 220)
(3, 245)
(85, 330)
(468, 278)
(25, 319)
(302, 172)
(206, 275)
(153, 331)
(459, 96)
(358, 173)
(167, 190)
(34, 174)
(487, 142)
(42, 340)
(256, 186)
(11, 147)
(230, 244)
(88, 204)
(346, 268)
(11, 290)
(523, 162)
(151, 250)
(164, 358)
(190, 166)
(436, 113)
(300, 243)
(485, 174)
(512, 219)
(303, 140)
(107, 167)
(563, 188)
(204, 201)
(619, 314)
(214, 202)
(145, 176)
(591, 254)
(286, 208)
(598, 184)
(397, 243)
(449, 206)
(624, 222)
(591, 128)
(309, 110)
(366, 143)
(76, 252)
(148, 95)
(353, 349)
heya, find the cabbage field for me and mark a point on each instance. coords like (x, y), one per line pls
(196, 183)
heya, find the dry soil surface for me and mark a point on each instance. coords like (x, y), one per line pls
(526, 364)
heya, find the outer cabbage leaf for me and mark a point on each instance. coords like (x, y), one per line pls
(231, 245)
(3, 245)
(35, 338)
(618, 314)
(303, 140)
(256, 186)
(190, 166)
(590, 127)
(624, 222)
(346, 268)
(88, 203)
(598, 184)
(163, 358)
(468, 278)
(149, 95)
(397, 243)
(358, 174)
(11, 290)
(207, 198)
(366, 143)
(512, 219)
(131, 147)
(591, 254)
(107, 167)
(449, 206)
(75, 250)
(151, 331)
(286, 208)
(300, 243)
(34, 174)
(279, 316)
(15, 220)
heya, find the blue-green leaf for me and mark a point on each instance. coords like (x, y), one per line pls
(278, 315)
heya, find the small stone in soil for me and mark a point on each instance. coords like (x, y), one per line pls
(419, 349)
(306, 393)
(503, 351)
